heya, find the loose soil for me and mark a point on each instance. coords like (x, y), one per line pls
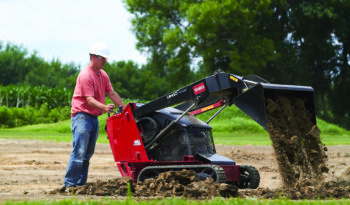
(300, 155)
(30, 170)
(184, 183)
(296, 166)
(298, 148)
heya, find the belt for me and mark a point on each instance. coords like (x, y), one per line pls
(85, 114)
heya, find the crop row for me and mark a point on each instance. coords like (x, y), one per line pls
(16, 117)
(22, 96)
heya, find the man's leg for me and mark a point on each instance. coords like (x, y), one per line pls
(81, 128)
(89, 152)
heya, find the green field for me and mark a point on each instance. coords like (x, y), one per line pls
(232, 127)
(177, 201)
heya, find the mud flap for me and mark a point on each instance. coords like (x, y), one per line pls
(253, 101)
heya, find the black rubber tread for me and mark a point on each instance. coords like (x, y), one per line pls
(150, 173)
(220, 172)
(254, 178)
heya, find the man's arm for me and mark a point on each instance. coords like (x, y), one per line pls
(96, 104)
(117, 100)
(107, 108)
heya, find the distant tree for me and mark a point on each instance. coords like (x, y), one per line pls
(303, 42)
(17, 67)
(312, 34)
(320, 33)
(13, 64)
(53, 74)
(339, 97)
(133, 82)
(203, 36)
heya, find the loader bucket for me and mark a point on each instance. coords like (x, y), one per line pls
(253, 101)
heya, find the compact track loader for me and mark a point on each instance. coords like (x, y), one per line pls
(162, 135)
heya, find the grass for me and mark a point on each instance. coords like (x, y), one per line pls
(241, 139)
(231, 127)
(178, 201)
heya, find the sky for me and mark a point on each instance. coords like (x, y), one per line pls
(65, 29)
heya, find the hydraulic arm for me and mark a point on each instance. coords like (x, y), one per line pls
(247, 93)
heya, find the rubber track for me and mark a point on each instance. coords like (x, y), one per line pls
(220, 173)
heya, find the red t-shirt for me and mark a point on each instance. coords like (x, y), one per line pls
(90, 83)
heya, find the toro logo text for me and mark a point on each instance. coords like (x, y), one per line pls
(197, 89)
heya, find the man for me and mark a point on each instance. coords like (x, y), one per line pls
(87, 104)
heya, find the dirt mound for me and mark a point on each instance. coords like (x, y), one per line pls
(304, 189)
(183, 183)
(298, 148)
(186, 183)
(308, 192)
(344, 178)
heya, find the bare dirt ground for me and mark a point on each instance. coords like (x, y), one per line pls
(29, 170)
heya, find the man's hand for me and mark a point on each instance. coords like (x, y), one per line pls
(109, 108)
(116, 98)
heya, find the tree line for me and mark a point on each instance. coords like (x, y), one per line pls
(24, 76)
(33, 90)
(298, 42)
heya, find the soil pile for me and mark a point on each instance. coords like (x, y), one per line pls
(337, 188)
(296, 141)
(344, 178)
(303, 190)
(185, 183)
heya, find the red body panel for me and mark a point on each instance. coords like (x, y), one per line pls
(130, 154)
(124, 137)
(232, 172)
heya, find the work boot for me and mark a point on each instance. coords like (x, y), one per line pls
(71, 189)
(62, 189)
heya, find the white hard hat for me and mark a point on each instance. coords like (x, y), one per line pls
(99, 48)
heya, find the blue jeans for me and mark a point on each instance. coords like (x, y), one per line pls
(85, 133)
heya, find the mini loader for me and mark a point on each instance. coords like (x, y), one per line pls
(163, 135)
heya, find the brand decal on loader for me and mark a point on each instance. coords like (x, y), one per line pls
(137, 143)
(175, 93)
(171, 95)
(197, 89)
(207, 108)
